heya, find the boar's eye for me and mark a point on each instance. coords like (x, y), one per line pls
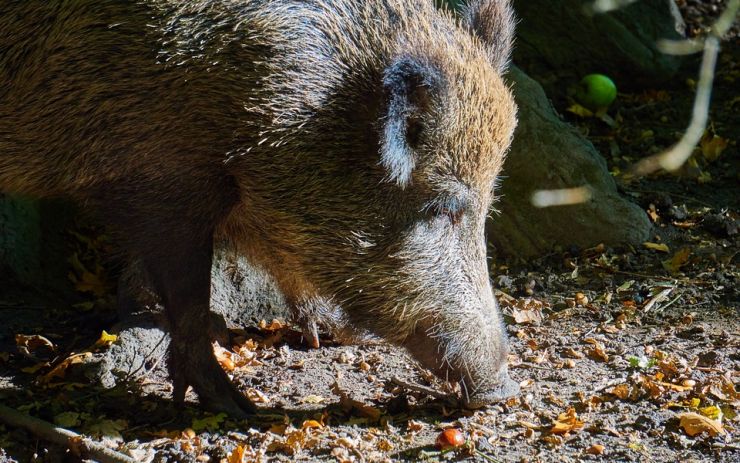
(452, 208)
(455, 215)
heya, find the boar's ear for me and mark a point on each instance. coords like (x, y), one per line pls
(409, 85)
(492, 21)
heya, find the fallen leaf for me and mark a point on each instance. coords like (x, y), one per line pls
(580, 111)
(238, 454)
(622, 391)
(532, 317)
(597, 352)
(712, 147)
(596, 449)
(224, 357)
(567, 422)
(275, 325)
(210, 423)
(660, 247)
(106, 340)
(110, 429)
(712, 412)
(311, 424)
(257, 396)
(29, 344)
(694, 424)
(679, 259)
(313, 399)
(60, 370)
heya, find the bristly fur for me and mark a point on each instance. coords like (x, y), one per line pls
(349, 147)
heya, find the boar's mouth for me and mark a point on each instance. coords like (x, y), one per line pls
(480, 386)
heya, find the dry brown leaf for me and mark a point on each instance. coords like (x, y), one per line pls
(31, 343)
(275, 325)
(60, 370)
(694, 424)
(567, 422)
(622, 391)
(311, 424)
(596, 449)
(238, 454)
(532, 317)
(224, 357)
(598, 353)
(572, 353)
(257, 396)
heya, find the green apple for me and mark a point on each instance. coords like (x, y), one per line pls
(596, 92)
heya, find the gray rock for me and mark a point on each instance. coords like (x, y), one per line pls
(548, 153)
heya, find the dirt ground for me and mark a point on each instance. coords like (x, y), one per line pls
(622, 354)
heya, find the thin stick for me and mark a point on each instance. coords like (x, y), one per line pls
(660, 297)
(63, 437)
(419, 388)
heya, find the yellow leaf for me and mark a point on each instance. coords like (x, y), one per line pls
(712, 147)
(579, 110)
(712, 412)
(660, 247)
(106, 339)
(695, 424)
(679, 259)
(211, 423)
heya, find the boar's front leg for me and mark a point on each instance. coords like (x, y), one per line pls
(168, 225)
(183, 277)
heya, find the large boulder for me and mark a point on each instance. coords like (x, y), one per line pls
(548, 153)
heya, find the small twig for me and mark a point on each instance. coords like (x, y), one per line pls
(612, 383)
(485, 457)
(670, 303)
(63, 437)
(419, 388)
(530, 365)
(660, 297)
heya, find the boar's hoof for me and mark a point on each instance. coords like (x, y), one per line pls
(503, 390)
(198, 367)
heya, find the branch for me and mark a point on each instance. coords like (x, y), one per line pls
(63, 437)
(676, 156)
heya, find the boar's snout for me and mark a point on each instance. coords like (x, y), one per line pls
(503, 388)
(469, 347)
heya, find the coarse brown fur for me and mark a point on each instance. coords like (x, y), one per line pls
(349, 147)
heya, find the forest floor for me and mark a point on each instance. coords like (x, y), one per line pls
(622, 354)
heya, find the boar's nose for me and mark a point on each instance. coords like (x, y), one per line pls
(502, 389)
